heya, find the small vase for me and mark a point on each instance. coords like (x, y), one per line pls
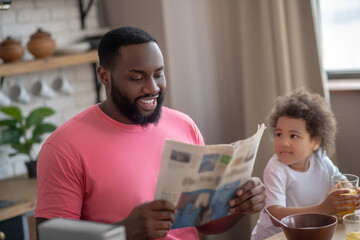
(41, 45)
(31, 168)
(11, 50)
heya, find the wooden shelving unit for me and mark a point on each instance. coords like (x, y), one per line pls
(38, 65)
(9, 69)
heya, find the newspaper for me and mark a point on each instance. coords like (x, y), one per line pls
(200, 180)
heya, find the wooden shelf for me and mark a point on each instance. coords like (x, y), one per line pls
(38, 65)
(9, 69)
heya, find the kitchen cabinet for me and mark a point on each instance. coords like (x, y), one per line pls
(60, 61)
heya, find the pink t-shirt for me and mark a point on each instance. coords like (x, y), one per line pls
(95, 168)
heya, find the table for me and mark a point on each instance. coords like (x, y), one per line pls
(338, 235)
(22, 191)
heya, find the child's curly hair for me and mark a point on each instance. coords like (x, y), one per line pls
(320, 120)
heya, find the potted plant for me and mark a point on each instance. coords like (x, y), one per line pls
(22, 132)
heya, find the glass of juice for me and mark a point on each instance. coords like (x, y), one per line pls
(345, 181)
(352, 226)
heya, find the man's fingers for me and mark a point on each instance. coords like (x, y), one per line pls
(163, 216)
(252, 183)
(251, 205)
(162, 225)
(158, 234)
(160, 205)
(252, 189)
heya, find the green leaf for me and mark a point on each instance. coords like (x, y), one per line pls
(29, 143)
(8, 122)
(10, 135)
(13, 154)
(37, 139)
(20, 148)
(36, 116)
(13, 112)
(41, 129)
(14, 130)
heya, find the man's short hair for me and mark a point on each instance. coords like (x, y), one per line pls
(118, 37)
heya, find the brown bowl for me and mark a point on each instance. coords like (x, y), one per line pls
(309, 226)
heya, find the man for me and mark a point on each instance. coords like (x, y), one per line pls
(102, 165)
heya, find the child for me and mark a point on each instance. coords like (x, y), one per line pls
(297, 177)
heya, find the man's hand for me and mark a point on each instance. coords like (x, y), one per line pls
(250, 197)
(149, 220)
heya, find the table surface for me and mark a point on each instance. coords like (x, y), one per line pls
(21, 190)
(338, 235)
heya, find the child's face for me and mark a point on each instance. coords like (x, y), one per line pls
(293, 144)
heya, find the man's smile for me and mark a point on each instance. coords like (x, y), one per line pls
(147, 103)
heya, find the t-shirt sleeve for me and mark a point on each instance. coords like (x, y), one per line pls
(329, 165)
(198, 136)
(60, 185)
(275, 185)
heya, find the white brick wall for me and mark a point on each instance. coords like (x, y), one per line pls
(61, 19)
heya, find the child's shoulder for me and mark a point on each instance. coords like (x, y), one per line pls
(274, 164)
(322, 158)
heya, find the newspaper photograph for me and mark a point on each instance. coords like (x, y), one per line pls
(200, 180)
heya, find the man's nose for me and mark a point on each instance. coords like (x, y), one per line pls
(151, 86)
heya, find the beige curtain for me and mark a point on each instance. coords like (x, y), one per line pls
(279, 53)
(227, 60)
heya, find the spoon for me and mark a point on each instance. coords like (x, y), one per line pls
(281, 223)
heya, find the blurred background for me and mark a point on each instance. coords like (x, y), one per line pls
(226, 62)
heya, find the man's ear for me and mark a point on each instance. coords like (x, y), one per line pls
(105, 76)
(317, 143)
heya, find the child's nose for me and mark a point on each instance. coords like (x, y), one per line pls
(285, 142)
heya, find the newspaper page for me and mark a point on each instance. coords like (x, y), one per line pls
(200, 180)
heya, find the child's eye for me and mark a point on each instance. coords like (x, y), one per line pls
(294, 136)
(278, 134)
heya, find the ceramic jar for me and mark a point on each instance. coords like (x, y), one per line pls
(11, 50)
(41, 45)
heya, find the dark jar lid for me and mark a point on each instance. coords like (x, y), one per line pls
(10, 42)
(40, 34)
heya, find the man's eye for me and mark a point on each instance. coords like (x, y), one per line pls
(158, 75)
(136, 78)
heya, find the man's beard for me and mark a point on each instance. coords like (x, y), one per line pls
(130, 109)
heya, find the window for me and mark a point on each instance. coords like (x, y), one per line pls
(340, 37)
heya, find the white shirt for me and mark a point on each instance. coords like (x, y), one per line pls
(289, 188)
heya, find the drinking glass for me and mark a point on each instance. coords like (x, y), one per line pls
(347, 181)
(352, 226)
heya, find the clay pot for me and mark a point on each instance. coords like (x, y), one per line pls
(11, 50)
(41, 45)
(31, 168)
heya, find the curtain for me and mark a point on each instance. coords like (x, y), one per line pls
(229, 60)
(279, 53)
